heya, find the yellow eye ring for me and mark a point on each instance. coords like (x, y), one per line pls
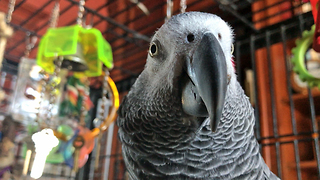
(153, 49)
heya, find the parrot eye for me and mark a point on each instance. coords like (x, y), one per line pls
(153, 50)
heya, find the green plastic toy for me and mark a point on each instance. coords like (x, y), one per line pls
(63, 41)
(302, 45)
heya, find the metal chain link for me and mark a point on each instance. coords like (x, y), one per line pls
(52, 95)
(80, 12)
(55, 14)
(183, 6)
(30, 43)
(10, 10)
(169, 9)
(104, 92)
(43, 85)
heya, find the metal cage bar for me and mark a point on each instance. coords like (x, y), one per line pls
(293, 119)
(256, 99)
(273, 104)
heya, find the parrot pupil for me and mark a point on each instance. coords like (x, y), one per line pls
(153, 49)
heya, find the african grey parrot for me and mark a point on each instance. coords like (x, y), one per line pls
(186, 116)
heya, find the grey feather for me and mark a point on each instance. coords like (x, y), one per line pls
(160, 141)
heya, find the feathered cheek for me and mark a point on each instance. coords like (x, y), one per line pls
(231, 69)
(229, 79)
(169, 79)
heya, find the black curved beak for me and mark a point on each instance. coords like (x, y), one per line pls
(204, 93)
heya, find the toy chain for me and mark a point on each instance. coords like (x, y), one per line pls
(104, 92)
(169, 9)
(30, 43)
(183, 6)
(55, 14)
(10, 10)
(80, 12)
(43, 85)
(53, 94)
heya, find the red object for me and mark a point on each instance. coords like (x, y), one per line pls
(314, 9)
(316, 15)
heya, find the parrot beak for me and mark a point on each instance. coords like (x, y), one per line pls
(205, 87)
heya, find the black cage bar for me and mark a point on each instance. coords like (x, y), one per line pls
(280, 34)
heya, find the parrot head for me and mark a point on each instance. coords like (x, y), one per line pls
(192, 53)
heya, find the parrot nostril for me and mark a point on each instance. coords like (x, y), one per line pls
(190, 37)
(219, 36)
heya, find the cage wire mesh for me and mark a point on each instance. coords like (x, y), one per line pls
(286, 120)
(286, 112)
